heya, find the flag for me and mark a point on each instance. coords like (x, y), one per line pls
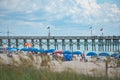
(48, 27)
(49, 30)
(101, 29)
(90, 27)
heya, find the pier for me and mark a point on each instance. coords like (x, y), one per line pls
(87, 43)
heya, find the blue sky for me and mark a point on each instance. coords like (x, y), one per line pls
(64, 17)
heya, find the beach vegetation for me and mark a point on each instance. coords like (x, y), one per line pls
(10, 72)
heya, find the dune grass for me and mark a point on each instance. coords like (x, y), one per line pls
(27, 71)
(8, 72)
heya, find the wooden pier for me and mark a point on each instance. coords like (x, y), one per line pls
(88, 43)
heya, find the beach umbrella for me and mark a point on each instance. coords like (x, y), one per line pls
(24, 49)
(49, 51)
(91, 54)
(46, 51)
(42, 51)
(12, 49)
(67, 57)
(104, 54)
(33, 49)
(17, 48)
(8, 48)
(67, 52)
(77, 52)
(58, 52)
(52, 50)
(28, 44)
(114, 54)
(117, 57)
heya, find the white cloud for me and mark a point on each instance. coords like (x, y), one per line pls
(20, 5)
(90, 12)
(83, 12)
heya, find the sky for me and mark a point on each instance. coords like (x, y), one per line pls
(64, 17)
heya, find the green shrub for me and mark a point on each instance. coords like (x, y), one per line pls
(8, 72)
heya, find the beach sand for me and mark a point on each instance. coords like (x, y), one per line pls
(87, 68)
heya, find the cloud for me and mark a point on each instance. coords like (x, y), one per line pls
(20, 5)
(80, 11)
(60, 13)
(93, 13)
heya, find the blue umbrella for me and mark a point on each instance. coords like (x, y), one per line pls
(52, 50)
(12, 49)
(30, 49)
(49, 51)
(24, 49)
(42, 51)
(117, 57)
(67, 52)
(104, 54)
(17, 48)
(77, 52)
(67, 57)
(33, 49)
(8, 48)
(46, 51)
(91, 54)
(114, 54)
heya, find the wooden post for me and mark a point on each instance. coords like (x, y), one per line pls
(106, 67)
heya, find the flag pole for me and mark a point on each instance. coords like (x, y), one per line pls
(48, 31)
(91, 32)
(102, 33)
